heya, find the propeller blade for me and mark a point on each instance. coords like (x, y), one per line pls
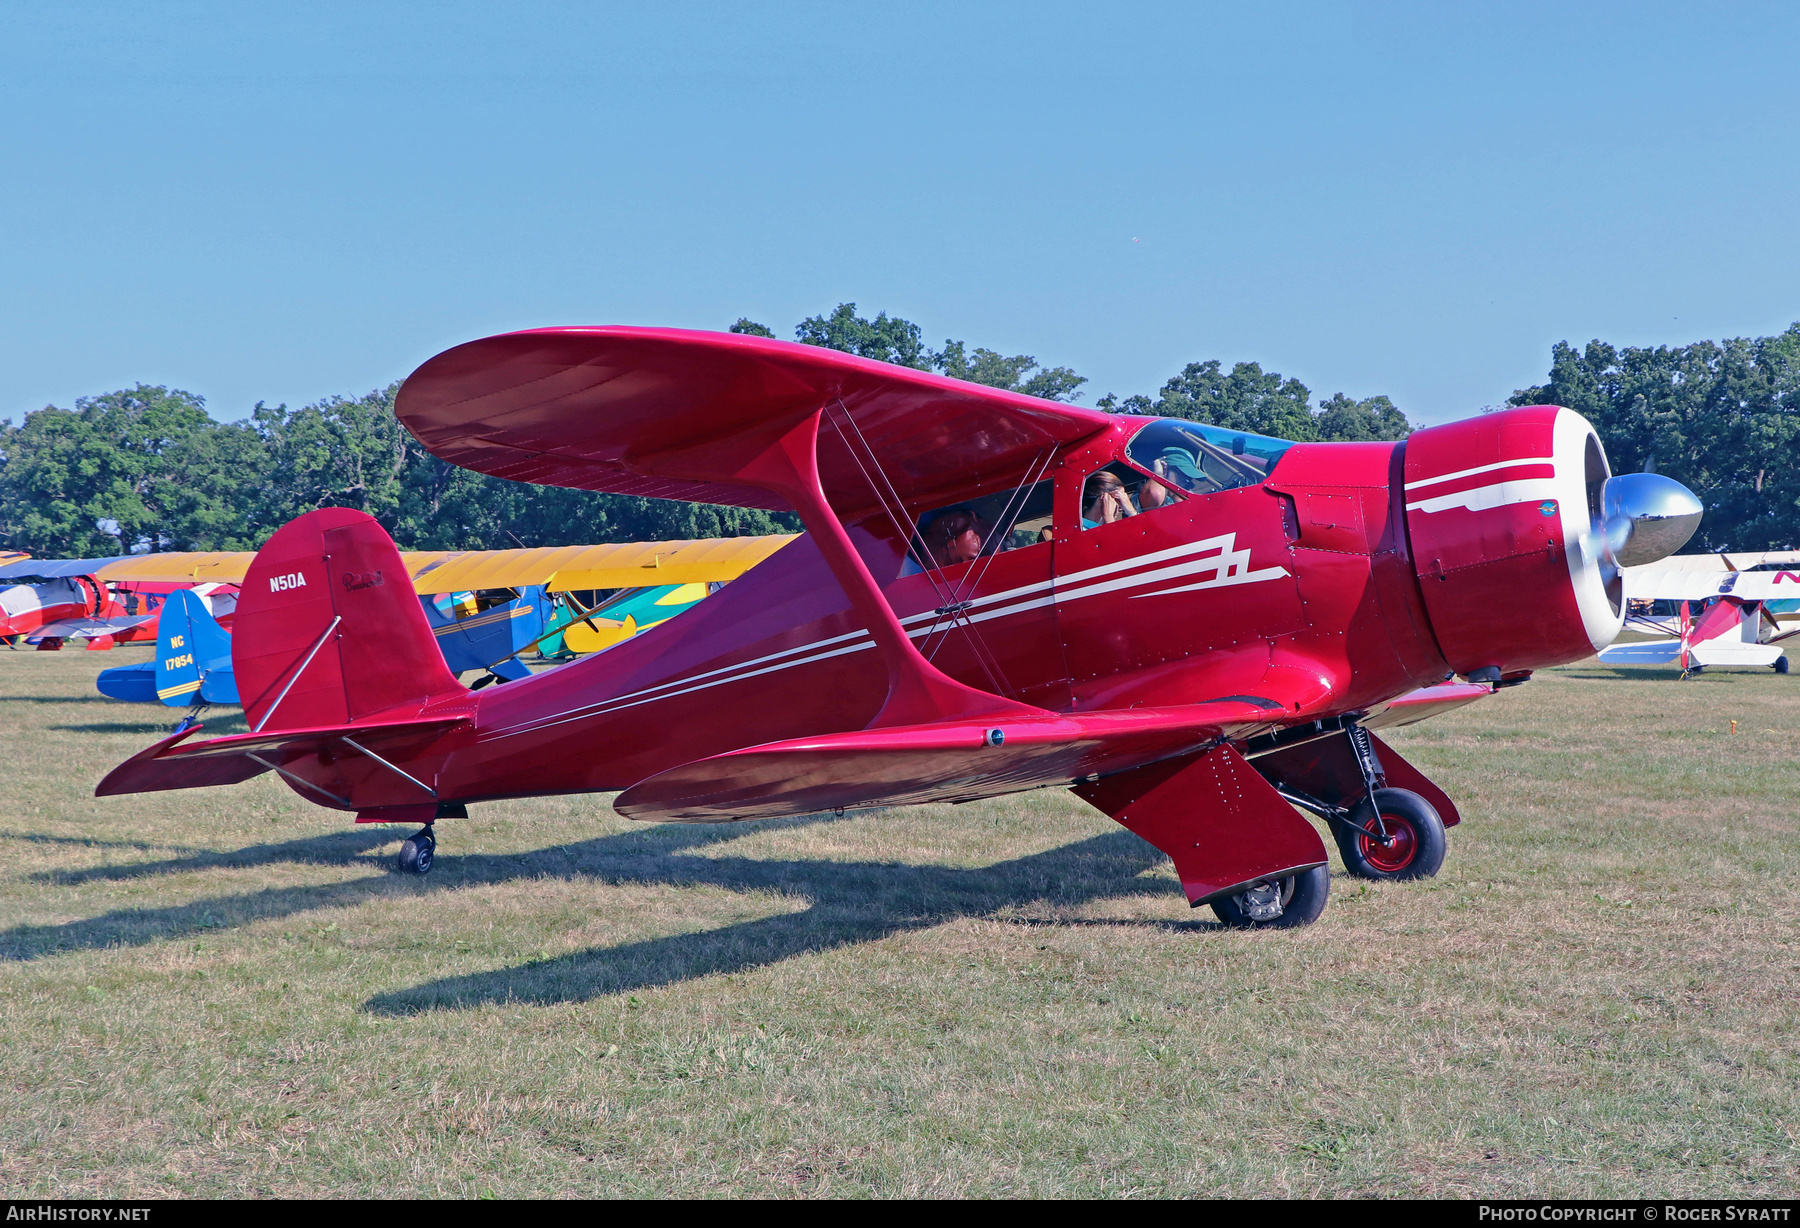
(1647, 517)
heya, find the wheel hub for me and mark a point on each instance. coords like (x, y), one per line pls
(1396, 852)
(1264, 900)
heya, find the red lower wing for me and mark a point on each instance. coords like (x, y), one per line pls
(939, 762)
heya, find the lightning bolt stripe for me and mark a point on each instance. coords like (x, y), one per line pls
(1227, 565)
(1495, 494)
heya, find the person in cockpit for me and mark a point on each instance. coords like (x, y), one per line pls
(954, 537)
(951, 537)
(1152, 494)
(1104, 500)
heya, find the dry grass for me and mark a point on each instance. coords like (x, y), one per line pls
(227, 992)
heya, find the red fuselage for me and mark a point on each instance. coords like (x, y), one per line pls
(26, 607)
(1352, 574)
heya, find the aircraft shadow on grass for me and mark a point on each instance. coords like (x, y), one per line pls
(850, 902)
(1621, 673)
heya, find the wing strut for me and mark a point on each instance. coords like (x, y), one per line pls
(958, 605)
(950, 601)
(918, 692)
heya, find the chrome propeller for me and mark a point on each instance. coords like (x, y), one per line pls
(1643, 517)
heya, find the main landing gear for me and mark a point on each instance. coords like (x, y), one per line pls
(1278, 903)
(1391, 835)
(1386, 834)
(417, 852)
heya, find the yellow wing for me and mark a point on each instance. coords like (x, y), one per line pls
(176, 567)
(620, 565)
(563, 568)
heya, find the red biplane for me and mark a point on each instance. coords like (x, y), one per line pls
(1195, 629)
(67, 602)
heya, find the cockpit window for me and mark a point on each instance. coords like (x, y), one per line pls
(1202, 458)
(1007, 520)
(1119, 491)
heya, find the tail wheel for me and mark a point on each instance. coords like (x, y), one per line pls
(1277, 903)
(1407, 843)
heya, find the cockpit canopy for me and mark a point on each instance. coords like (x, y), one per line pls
(1202, 459)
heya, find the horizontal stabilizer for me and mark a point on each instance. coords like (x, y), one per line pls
(936, 762)
(133, 684)
(1733, 652)
(225, 761)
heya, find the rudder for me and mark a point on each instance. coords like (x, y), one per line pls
(328, 629)
(193, 654)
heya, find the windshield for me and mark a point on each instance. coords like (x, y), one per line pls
(1204, 458)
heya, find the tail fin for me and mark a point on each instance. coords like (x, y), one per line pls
(328, 630)
(193, 654)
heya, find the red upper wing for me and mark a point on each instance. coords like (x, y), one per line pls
(674, 414)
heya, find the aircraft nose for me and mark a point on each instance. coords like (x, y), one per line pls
(1647, 516)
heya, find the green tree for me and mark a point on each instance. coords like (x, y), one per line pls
(338, 452)
(1245, 399)
(1343, 420)
(1722, 417)
(147, 459)
(887, 339)
(1020, 373)
(899, 341)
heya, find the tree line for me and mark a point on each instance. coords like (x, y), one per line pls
(149, 468)
(1721, 417)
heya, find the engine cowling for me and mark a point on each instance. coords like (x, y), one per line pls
(1508, 520)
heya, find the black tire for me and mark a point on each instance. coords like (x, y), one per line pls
(1303, 898)
(1781, 664)
(1410, 821)
(417, 854)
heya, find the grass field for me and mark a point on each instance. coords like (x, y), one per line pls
(227, 991)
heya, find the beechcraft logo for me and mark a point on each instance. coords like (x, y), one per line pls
(354, 580)
(281, 584)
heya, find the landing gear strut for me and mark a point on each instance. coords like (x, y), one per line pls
(417, 852)
(1392, 834)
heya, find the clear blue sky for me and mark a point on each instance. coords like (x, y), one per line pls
(279, 202)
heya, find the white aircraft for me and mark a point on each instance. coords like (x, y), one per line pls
(1730, 609)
